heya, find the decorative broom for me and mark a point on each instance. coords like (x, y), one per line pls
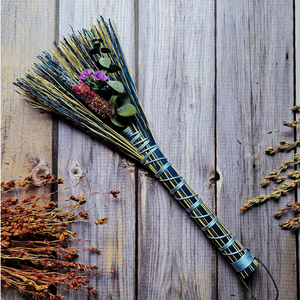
(87, 81)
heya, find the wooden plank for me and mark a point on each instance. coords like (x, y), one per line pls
(176, 85)
(254, 95)
(297, 97)
(80, 154)
(23, 38)
(28, 27)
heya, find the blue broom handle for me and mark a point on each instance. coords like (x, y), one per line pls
(240, 259)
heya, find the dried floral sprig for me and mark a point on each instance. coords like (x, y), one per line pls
(276, 194)
(35, 250)
(291, 125)
(280, 212)
(295, 222)
(295, 107)
(42, 180)
(106, 97)
(284, 146)
(94, 101)
(274, 175)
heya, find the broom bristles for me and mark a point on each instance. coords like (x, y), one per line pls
(49, 84)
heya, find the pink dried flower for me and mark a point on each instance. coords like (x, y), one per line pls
(85, 75)
(98, 75)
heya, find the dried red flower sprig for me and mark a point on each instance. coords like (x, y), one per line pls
(42, 180)
(93, 100)
(35, 251)
(114, 193)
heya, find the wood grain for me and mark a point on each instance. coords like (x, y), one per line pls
(176, 85)
(81, 155)
(254, 96)
(23, 38)
(214, 77)
(297, 100)
(28, 27)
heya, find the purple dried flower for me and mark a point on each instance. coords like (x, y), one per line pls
(99, 76)
(84, 75)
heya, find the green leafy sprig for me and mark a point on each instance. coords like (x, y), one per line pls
(119, 99)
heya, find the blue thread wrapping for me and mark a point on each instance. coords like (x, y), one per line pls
(210, 224)
(184, 198)
(162, 169)
(194, 206)
(175, 177)
(244, 262)
(239, 265)
(177, 187)
(203, 216)
(218, 237)
(233, 253)
(228, 244)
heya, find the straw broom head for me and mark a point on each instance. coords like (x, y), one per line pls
(49, 85)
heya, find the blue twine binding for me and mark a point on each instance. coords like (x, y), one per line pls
(210, 224)
(228, 244)
(177, 187)
(239, 265)
(194, 206)
(162, 169)
(243, 262)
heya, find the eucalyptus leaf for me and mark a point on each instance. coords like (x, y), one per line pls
(112, 104)
(113, 68)
(115, 120)
(105, 50)
(94, 51)
(123, 100)
(103, 72)
(127, 111)
(105, 62)
(116, 85)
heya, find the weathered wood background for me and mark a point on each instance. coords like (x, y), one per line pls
(210, 74)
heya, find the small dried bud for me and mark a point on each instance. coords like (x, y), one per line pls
(295, 107)
(270, 150)
(279, 213)
(290, 147)
(82, 201)
(274, 172)
(280, 179)
(265, 182)
(277, 196)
